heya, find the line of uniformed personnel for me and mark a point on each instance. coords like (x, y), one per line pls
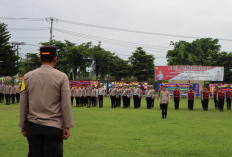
(88, 96)
(9, 92)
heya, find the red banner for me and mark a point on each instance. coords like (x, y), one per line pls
(186, 72)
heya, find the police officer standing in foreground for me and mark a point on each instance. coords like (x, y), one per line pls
(1, 92)
(176, 97)
(45, 107)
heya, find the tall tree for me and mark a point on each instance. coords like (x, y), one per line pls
(8, 58)
(120, 68)
(200, 52)
(225, 59)
(142, 65)
(31, 62)
(79, 59)
(101, 61)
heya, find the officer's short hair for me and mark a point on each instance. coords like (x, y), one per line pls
(47, 53)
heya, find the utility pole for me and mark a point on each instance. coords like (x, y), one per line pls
(51, 28)
(17, 49)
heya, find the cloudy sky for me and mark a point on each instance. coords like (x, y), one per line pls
(198, 18)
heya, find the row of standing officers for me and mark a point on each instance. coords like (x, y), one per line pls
(88, 96)
(9, 92)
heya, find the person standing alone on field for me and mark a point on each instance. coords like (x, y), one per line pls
(45, 107)
(164, 100)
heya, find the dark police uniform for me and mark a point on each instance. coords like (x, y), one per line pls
(45, 110)
(176, 97)
(228, 99)
(215, 95)
(205, 99)
(190, 98)
(221, 100)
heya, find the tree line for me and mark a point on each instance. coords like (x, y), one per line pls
(92, 62)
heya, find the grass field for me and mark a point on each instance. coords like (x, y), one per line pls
(132, 132)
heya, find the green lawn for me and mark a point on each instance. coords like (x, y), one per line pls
(132, 132)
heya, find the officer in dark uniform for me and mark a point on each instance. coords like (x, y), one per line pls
(190, 98)
(45, 107)
(221, 99)
(205, 97)
(228, 98)
(215, 95)
(176, 97)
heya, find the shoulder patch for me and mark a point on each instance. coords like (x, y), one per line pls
(23, 87)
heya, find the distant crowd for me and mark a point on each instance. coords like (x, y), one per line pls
(89, 96)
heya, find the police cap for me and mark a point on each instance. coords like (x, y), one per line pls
(47, 53)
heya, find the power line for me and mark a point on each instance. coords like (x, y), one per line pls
(109, 28)
(29, 29)
(114, 41)
(29, 37)
(23, 19)
(133, 31)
